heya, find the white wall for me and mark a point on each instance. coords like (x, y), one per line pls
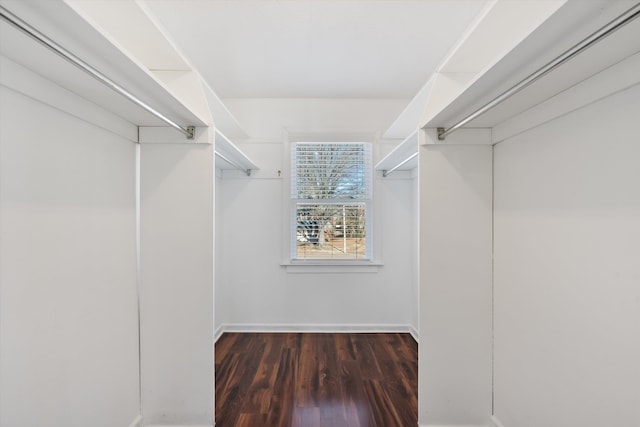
(415, 279)
(253, 290)
(567, 269)
(267, 118)
(176, 251)
(455, 282)
(68, 311)
(219, 312)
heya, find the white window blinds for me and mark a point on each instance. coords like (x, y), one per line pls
(331, 193)
(331, 171)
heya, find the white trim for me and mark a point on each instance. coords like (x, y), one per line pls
(496, 421)
(414, 333)
(452, 425)
(169, 135)
(218, 333)
(463, 136)
(138, 275)
(338, 266)
(137, 422)
(326, 328)
(179, 425)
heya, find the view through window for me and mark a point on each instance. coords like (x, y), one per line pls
(331, 196)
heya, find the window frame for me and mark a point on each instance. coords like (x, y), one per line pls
(368, 201)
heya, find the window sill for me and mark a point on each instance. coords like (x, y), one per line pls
(322, 266)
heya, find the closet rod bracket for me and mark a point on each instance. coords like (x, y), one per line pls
(440, 134)
(191, 132)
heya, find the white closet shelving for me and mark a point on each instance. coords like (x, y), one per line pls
(403, 157)
(229, 156)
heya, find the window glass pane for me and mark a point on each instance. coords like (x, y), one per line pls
(331, 231)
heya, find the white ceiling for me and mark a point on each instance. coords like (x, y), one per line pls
(315, 48)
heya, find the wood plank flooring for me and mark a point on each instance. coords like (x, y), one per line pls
(316, 380)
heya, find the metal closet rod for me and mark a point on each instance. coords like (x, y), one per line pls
(386, 172)
(234, 163)
(20, 24)
(589, 41)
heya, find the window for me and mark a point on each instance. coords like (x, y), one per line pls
(331, 198)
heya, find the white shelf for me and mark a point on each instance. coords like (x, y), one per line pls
(548, 41)
(62, 24)
(403, 156)
(229, 156)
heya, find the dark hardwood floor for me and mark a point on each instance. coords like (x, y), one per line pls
(316, 380)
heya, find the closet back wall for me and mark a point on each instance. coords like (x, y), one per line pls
(253, 290)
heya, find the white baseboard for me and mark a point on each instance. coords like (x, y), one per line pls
(496, 421)
(414, 333)
(218, 333)
(328, 328)
(179, 425)
(137, 422)
(452, 425)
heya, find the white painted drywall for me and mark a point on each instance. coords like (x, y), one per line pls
(219, 312)
(68, 311)
(176, 249)
(253, 290)
(415, 258)
(266, 119)
(567, 269)
(455, 284)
